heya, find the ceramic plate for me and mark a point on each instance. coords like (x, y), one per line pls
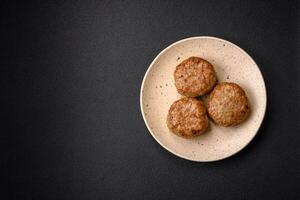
(158, 92)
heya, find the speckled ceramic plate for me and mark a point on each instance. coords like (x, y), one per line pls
(158, 92)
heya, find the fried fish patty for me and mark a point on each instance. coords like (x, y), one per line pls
(194, 77)
(187, 117)
(228, 104)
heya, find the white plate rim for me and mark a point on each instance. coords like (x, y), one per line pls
(149, 68)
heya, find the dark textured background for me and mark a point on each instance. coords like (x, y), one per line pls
(73, 82)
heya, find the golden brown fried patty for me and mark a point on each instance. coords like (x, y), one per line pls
(194, 77)
(228, 104)
(187, 117)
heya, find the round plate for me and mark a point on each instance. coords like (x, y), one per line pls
(158, 92)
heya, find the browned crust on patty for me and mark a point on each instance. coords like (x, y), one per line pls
(194, 77)
(187, 117)
(228, 104)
